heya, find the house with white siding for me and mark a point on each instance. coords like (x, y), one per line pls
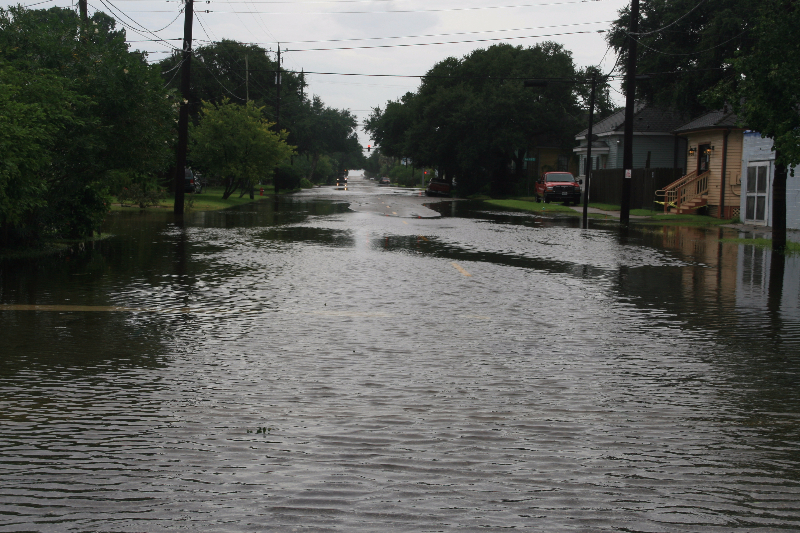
(757, 172)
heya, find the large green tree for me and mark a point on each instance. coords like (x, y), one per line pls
(237, 71)
(34, 108)
(472, 117)
(685, 46)
(765, 93)
(120, 126)
(323, 130)
(236, 143)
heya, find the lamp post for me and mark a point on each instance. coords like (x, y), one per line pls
(593, 81)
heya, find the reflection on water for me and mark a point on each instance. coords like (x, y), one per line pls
(295, 365)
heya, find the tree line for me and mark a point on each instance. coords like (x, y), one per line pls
(472, 118)
(83, 117)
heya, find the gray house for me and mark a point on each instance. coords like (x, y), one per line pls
(654, 145)
(758, 170)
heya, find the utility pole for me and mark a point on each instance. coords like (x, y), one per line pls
(278, 114)
(246, 79)
(589, 153)
(183, 118)
(82, 7)
(278, 85)
(302, 84)
(630, 102)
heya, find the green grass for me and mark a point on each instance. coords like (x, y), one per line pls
(655, 217)
(526, 205)
(209, 200)
(791, 247)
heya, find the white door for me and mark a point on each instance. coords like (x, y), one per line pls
(757, 193)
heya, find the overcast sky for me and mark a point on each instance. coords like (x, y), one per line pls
(344, 28)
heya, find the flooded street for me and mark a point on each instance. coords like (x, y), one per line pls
(358, 361)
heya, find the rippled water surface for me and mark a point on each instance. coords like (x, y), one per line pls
(302, 366)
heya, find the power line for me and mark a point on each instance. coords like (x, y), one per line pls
(698, 4)
(443, 42)
(446, 77)
(690, 53)
(112, 9)
(394, 11)
(411, 36)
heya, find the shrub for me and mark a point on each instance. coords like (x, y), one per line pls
(135, 195)
(287, 177)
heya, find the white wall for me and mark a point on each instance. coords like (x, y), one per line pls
(757, 149)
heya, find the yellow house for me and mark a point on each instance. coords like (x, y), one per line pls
(713, 166)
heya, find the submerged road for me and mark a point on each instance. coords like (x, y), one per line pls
(371, 359)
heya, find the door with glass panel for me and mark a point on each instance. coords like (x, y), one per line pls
(757, 193)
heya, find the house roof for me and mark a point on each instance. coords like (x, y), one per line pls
(712, 120)
(646, 119)
(598, 147)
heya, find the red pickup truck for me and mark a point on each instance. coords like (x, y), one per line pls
(558, 187)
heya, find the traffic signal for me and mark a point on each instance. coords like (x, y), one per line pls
(368, 148)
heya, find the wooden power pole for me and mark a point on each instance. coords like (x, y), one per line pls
(630, 103)
(183, 118)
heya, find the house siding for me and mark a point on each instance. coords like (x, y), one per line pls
(757, 149)
(661, 148)
(733, 168)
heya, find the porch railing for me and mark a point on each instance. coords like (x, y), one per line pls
(684, 190)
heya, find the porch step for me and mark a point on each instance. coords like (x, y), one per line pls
(691, 207)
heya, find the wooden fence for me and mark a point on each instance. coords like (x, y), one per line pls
(606, 186)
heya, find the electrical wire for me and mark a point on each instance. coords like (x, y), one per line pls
(444, 42)
(690, 53)
(171, 23)
(411, 36)
(698, 4)
(203, 26)
(112, 8)
(393, 11)
(176, 73)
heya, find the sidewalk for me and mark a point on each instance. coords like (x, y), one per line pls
(613, 214)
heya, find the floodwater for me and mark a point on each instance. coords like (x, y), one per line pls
(305, 366)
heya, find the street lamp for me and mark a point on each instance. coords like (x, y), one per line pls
(544, 83)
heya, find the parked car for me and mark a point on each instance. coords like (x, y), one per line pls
(558, 187)
(190, 184)
(438, 187)
(384, 181)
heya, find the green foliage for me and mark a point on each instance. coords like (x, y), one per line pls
(766, 94)
(220, 70)
(323, 130)
(305, 184)
(684, 45)
(406, 176)
(472, 117)
(236, 143)
(79, 111)
(137, 195)
(533, 206)
(288, 177)
(32, 111)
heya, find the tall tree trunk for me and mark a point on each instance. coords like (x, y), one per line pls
(779, 206)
